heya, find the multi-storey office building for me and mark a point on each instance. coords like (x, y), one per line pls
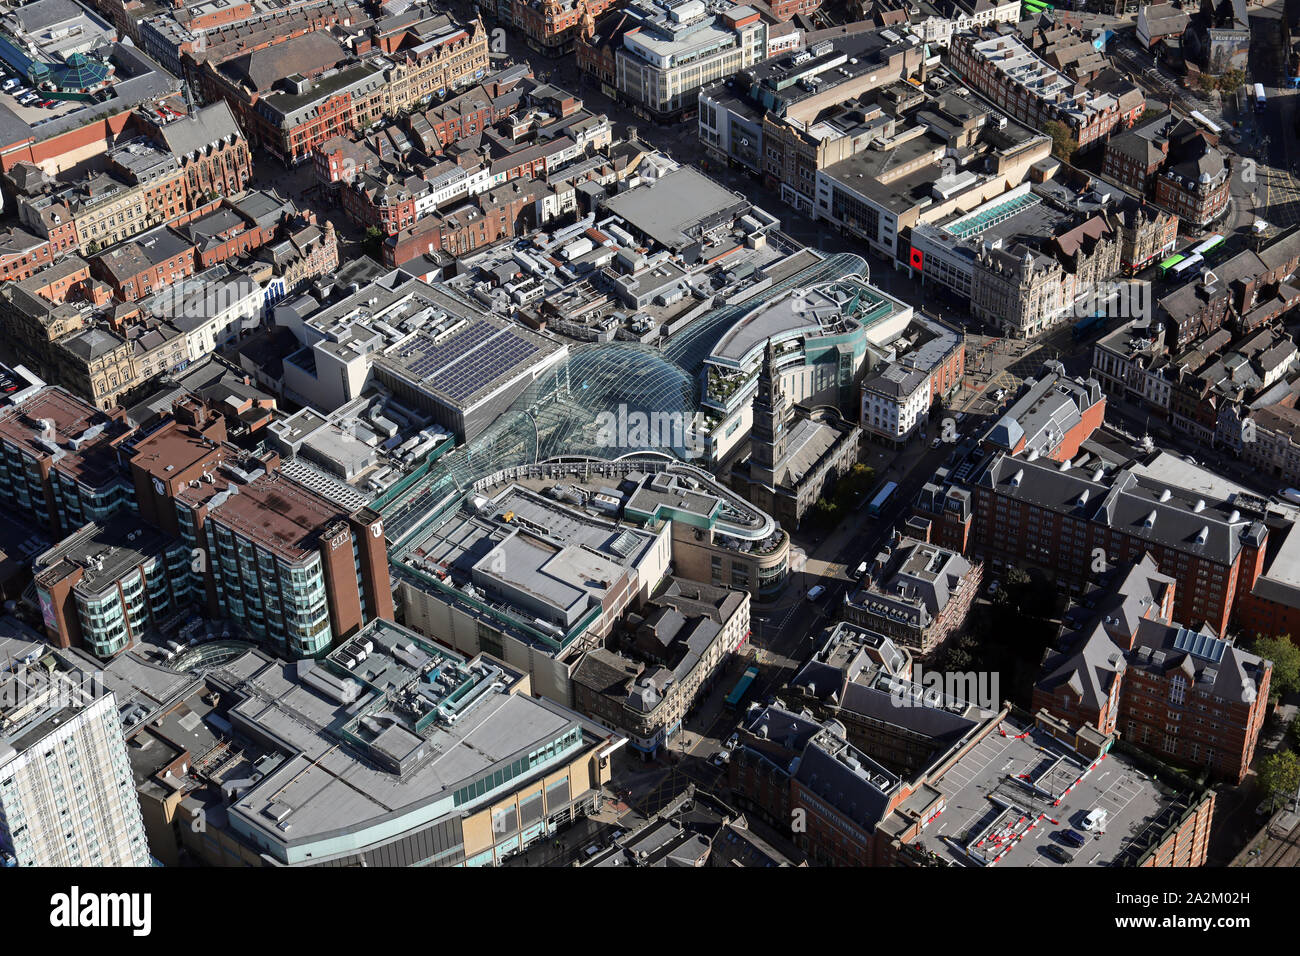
(1189, 696)
(58, 461)
(67, 795)
(916, 593)
(287, 565)
(106, 586)
(1001, 65)
(1033, 512)
(667, 50)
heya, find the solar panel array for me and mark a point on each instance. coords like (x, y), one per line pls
(472, 358)
(1200, 645)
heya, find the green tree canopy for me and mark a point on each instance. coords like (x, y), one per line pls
(1064, 145)
(1279, 774)
(1286, 662)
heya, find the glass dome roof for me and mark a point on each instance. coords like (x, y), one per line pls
(604, 401)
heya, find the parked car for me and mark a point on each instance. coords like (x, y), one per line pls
(936, 443)
(732, 742)
(1058, 853)
(1073, 837)
(720, 758)
(815, 592)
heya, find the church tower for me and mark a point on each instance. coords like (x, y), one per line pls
(772, 414)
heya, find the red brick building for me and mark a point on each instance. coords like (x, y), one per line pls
(1053, 416)
(500, 213)
(1032, 514)
(212, 151)
(145, 264)
(184, 473)
(22, 254)
(787, 9)
(1175, 162)
(1000, 65)
(1188, 696)
(842, 806)
(552, 26)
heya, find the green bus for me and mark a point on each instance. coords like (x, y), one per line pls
(742, 688)
(1169, 264)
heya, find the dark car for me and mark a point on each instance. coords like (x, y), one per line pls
(1058, 853)
(1073, 837)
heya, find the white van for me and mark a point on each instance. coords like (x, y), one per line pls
(1096, 820)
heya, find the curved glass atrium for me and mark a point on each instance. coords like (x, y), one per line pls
(604, 401)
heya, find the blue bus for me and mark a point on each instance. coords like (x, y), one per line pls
(1092, 323)
(742, 688)
(882, 498)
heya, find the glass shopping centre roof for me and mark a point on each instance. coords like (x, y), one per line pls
(604, 401)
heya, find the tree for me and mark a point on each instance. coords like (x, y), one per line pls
(824, 513)
(1232, 81)
(1286, 663)
(1279, 774)
(372, 241)
(1064, 145)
